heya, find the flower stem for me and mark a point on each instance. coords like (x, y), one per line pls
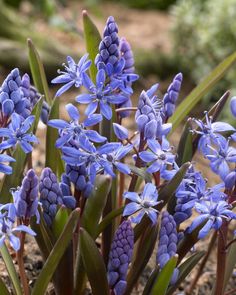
(221, 258)
(20, 261)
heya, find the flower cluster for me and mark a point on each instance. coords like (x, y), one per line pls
(84, 207)
(51, 195)
(120, 257)
(168, 240)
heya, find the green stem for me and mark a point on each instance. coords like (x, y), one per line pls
(11, 269)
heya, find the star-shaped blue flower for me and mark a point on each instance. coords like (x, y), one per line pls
(17, 132)
(159, 156)
(101, 95)
(142, 204)
(74, 130)
(73, 74)
(213, 214)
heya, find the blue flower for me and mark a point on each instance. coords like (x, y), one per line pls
(159, 156)
(97, 160)
(220, 157)
(3, 167)
(142, 204)
(116, 155)
(8, 229)
(119, 78)
(101, 95)
(73, 74)
(17, 133)
(76, 130)
(213, 214)
(210, 132)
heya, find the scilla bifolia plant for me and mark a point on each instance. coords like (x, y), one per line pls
(109, 197)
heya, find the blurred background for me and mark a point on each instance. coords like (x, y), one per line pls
(167, 36)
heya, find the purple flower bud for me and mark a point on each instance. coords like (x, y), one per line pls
(127, 54)
(109, 46)
(31, 96)
(120, 256)
(171, 95)
(233, 105)
(26, 197)
(145, 117)
(79, 177)
(51, 195)
(10, 90)
(168, 239)
(120, 131)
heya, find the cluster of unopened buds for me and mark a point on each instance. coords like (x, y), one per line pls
(99, 144)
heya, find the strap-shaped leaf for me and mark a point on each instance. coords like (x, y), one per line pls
(95, 204)
(185, 147)
(11, 270)
(14, 179)
(141, 173)
(3, 288)
(189, 240)
(142, 255)
(44, 236)
(92, 39)
(37, 71)
(185, 268)
(198, 92)
(93, 264)
(169, 189)
(56, 255)
(53, 157)
(163, 279)
(60, 221)
(151, 280)
(230, 264)
(107, 220)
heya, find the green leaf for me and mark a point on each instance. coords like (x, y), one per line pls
(151, 280)
(141, 173)
(95, 204)
(185, 268)
(13, 180)
(56, 255)
(142, 255)
(60, 221)
(185, 147)
(37, 71)
(163, 279)
(92, 39)
(44, 235)
(11, 269)
(107, 220)
(198, 92)
(53, 157)
(93, 264)
(230, 263)
(189, 240)
(169, 189)
(3, 288)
